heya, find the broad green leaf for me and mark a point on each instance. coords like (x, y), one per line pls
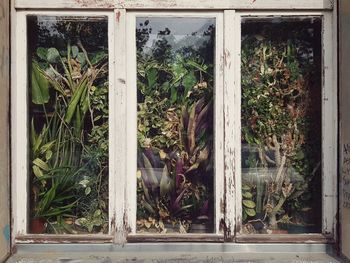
(48, 155)
(41, 53)
(248, 203)
(98, 56)
(247, 195)
(37, 171)
(75, 51)
(84, 182)
(40, 85)
(52, 55)
(40, 163)
(189, 81)
(245, 187)
(300, 155)
(97, 213)
(152, 76)
(250, 212)
(81, 58)
(87, 190)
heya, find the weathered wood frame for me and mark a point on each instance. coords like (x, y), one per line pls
(132, 120)
(123, 208)
(19, 120)
(181, 4)
(329, 127)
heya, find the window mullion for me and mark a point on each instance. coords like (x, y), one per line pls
(119, 131)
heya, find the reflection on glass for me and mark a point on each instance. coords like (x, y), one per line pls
(281, 125)
(175, 159)
(68, 113)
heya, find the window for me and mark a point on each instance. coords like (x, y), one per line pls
(281, 125)
(133, 126)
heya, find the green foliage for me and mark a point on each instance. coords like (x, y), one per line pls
(69, 138)
(175, 133)
(278, 71)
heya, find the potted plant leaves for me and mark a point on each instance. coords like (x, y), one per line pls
(69, 132)
(279, 152)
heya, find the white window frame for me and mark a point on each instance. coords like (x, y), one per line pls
(19, 121)
(123, 117)
(131, 116)
(329, 113)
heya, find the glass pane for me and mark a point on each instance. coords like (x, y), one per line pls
(68, 131)
(175, 83)
(281, 125)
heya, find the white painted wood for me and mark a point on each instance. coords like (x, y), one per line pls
(132, 113)
(112, 129)
(120, 122)
(131, 124)
(237, 120)
(19, 120)
(98, 4)
(230, 118)
(19, 125)
(330, 126)
(228, 4)
(329, 117)
(178, 4)
(219, 173)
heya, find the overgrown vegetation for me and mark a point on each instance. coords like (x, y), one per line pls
(175, 130)
(69, 126)
(281, 125)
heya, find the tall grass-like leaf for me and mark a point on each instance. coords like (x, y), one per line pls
(165, 182)
(150, 172)
(40, 85)
(75, 100)
(191, 130)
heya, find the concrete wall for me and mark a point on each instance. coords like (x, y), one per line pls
(4, 129)
(344, 45)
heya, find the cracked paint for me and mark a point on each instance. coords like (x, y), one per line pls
(7, 233)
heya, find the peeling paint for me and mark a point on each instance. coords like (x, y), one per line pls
(7, 233)
(96, 3)
(118, 14)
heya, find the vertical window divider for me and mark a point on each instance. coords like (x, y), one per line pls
(113, 129)
(329, 127)
(231, 115)
(219, 174)
(19, 125)
(131, 124)
(120, 121)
